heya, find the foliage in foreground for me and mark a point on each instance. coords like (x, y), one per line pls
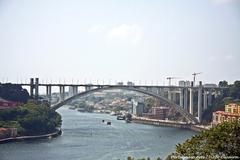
(220, 142)
(131, 158)
(30, 119)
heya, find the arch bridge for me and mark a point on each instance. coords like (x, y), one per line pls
(181, 97)
(171, 104)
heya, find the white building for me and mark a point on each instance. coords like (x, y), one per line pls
(184, 83)
(137, 108)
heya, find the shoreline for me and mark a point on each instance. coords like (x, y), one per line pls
(19, 138)
(163, 123)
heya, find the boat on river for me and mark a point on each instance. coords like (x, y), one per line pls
(121, 117)
(127, 121)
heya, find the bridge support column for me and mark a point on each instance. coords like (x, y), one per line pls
(169, 95)
(36, 88)
(62, 93)
(70, 91)
(31, 87)
(49, 93)
(162, 92)
(181, 97)
(191, 99)
(75, 90)
(86, 88)
(185, 99)
(200, 102)
(210, 98)
(205, 100)
(158, 91)
(174, 97)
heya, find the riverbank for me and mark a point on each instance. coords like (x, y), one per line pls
(18, 138)
(167, 123)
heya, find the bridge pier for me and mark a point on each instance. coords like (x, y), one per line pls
(62, 93)
(181, 97)
(31, 87)
(169, 95)
(36, 88)
(75, 90)
(205, 100)
(174, 97)
(200, 102)
(49, 93)
(185, 99)
(191, 99)
(87, 88)
(210, 98)
(70, 91)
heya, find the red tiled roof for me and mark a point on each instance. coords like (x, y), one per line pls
(227, 113)
(3, 129)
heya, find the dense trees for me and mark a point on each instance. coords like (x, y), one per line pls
(234, 90)
(131, 158)
(149, 103)
(230, 94)
(14, 92)
(30, 119)
(221, 141)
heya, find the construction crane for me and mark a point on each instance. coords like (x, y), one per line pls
(194, 77)
(170, 79)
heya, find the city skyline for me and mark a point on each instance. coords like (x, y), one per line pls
(145, 41)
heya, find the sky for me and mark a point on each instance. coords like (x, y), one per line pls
(144, 41)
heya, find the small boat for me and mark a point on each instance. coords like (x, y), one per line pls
(127, 121)
(103, 121)
(113, 113)
(109, 123)
(121, 117)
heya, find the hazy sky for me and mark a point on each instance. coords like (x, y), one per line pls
(145, 40)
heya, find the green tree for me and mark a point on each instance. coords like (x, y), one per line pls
(223, 84)
(149, 103)
(31, 119)
(222, 140)
(235, 90)
(14, 92)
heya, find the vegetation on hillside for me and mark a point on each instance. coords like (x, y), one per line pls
(82, 105)
(220, 142)
(230, 94)
(30, 119)
(14, 92)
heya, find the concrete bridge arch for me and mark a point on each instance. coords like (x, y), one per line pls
(183, 112)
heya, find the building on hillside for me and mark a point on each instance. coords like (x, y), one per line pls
(232, 112)
(8, 132)
(210, 85)
(4, 104)
(137, 108)
(184, 83)
(157, 113)
(130, 83)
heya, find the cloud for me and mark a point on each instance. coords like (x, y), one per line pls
(96, 28)
(229, 57)
(126, 33)
(222, 2)
(212, 58)
(123, 33)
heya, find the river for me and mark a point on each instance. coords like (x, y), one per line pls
(85, 137)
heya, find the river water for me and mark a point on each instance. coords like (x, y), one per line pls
(85, 137)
